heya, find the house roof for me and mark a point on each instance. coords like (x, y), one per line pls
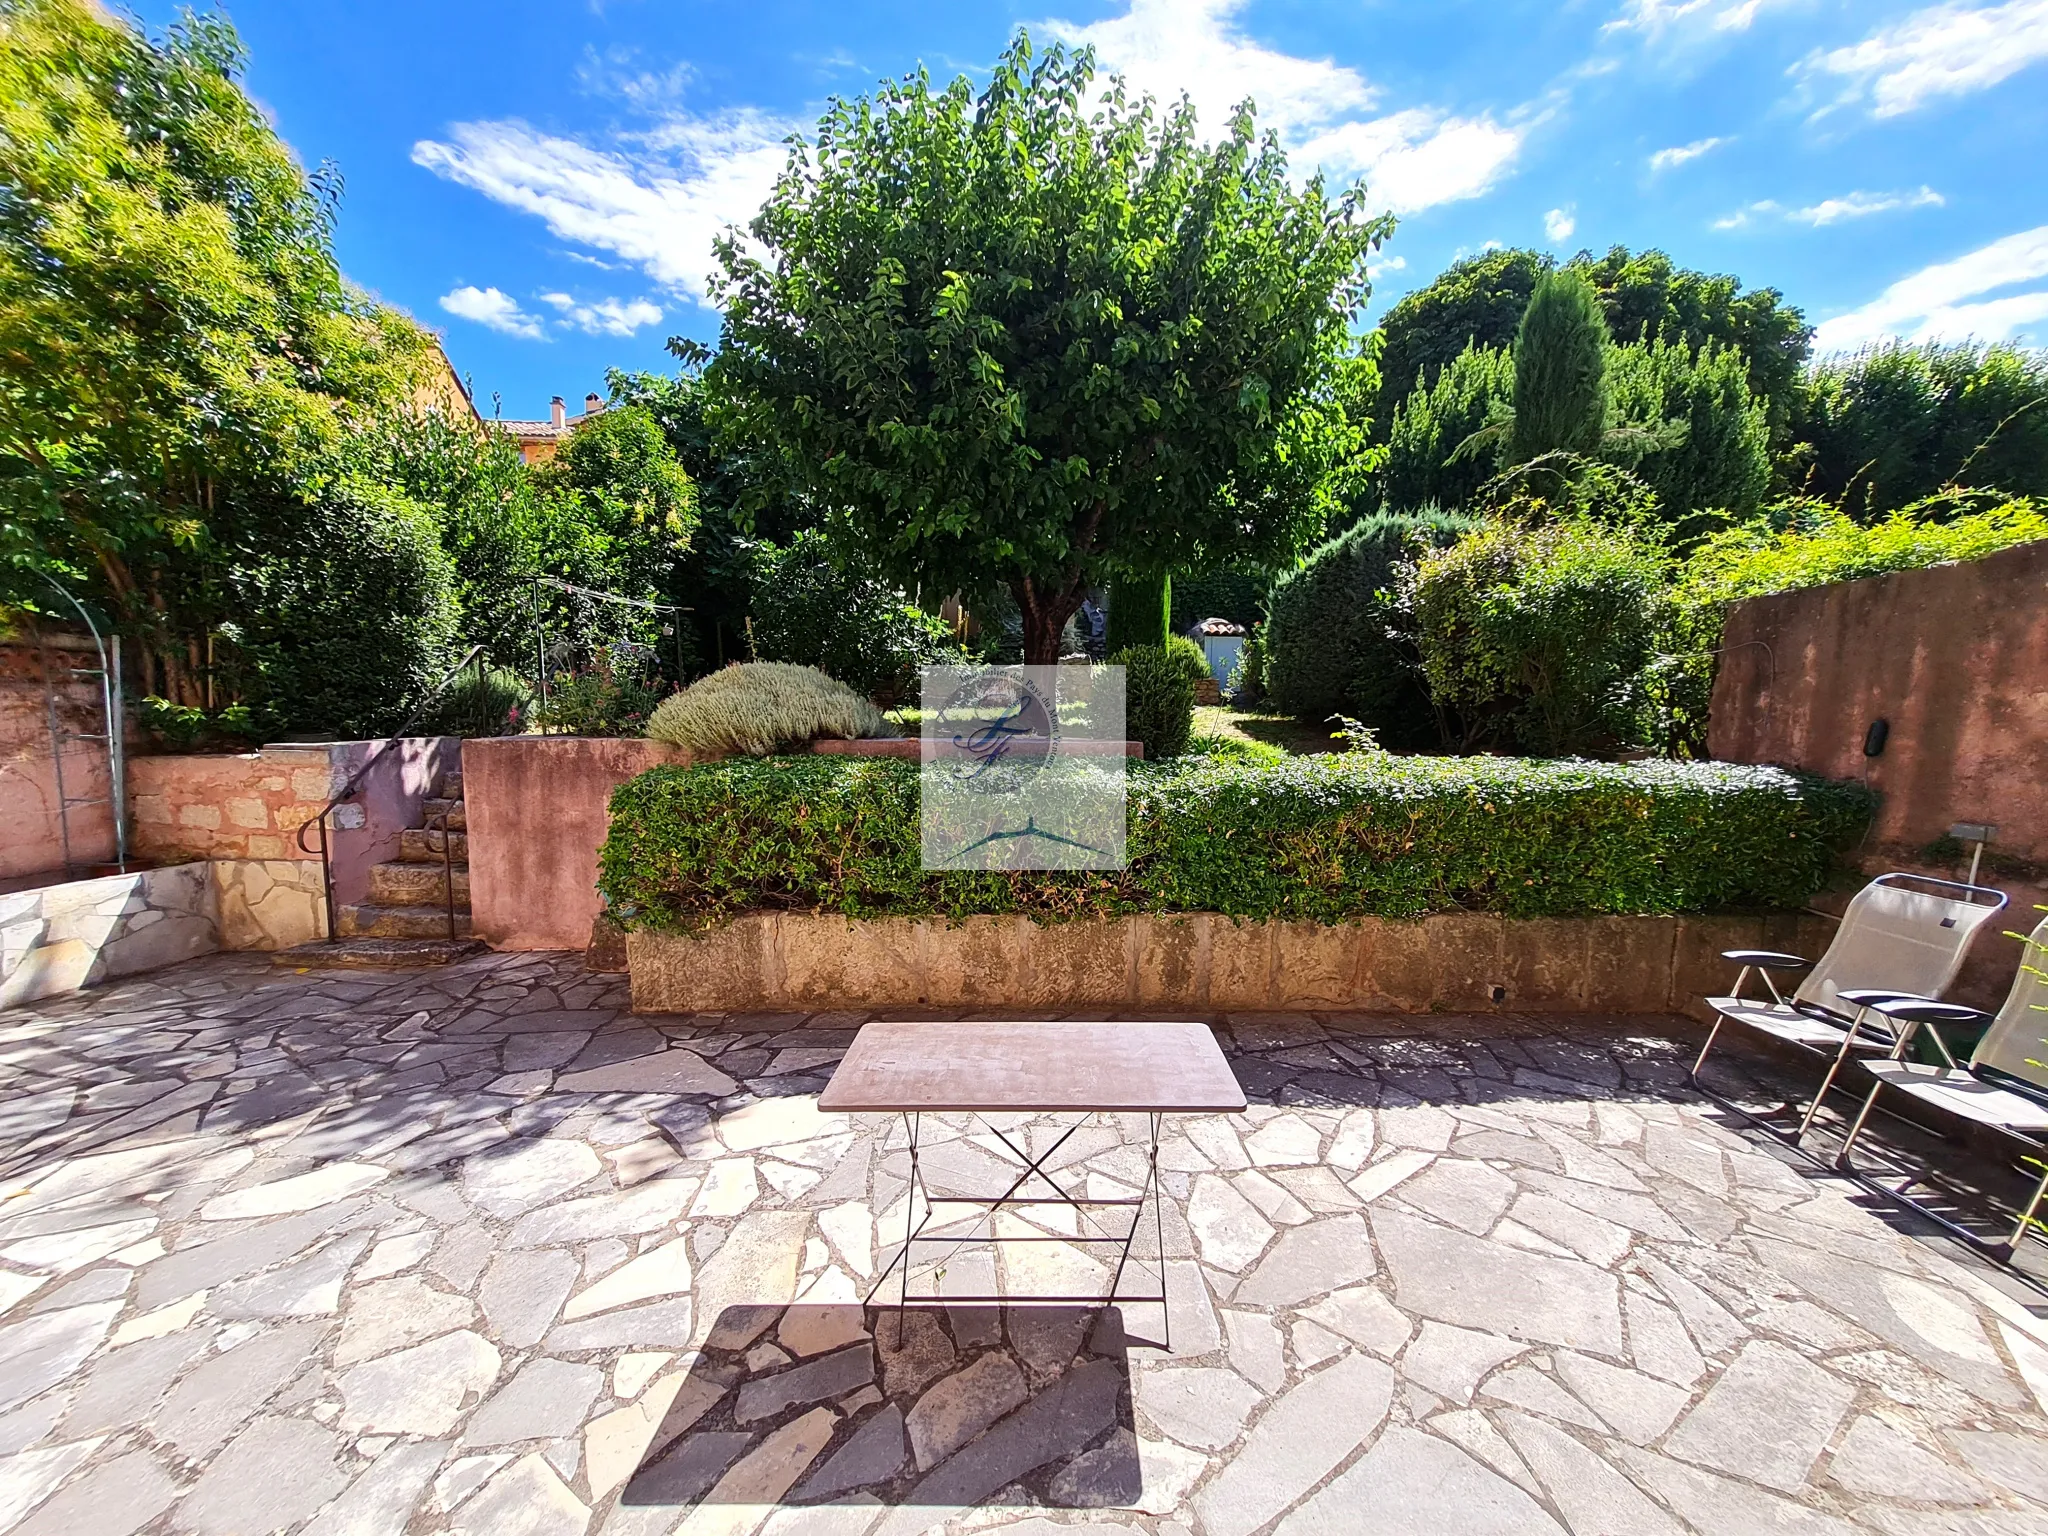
(1218, 627)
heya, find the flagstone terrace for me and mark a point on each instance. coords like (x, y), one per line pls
(477, 1250)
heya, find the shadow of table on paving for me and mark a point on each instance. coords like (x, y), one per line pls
(898, 1406)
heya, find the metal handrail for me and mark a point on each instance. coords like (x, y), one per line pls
(355, 782)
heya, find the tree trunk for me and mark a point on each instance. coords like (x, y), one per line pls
(1045, 614)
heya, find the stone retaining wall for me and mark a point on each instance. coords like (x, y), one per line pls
(1462, 962)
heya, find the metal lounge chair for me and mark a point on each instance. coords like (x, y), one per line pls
(2004, 1086)
(1902, 935)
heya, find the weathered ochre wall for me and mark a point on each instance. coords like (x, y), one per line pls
(250, 805)
(1954, 656)
(1462, 962)
(537, 809)
(31, 837)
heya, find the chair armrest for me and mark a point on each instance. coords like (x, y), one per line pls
(1767, 959)
(1870, 997)
(1925, 1010)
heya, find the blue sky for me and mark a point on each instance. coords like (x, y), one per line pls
(541, 182)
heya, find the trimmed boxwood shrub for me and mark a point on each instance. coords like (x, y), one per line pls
(1318, 839)
(1329, 644)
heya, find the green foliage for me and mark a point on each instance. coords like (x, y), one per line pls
(1192, 658)
(1236, 595)
(490, 702)
(1476, 303)
(1044, 336)
(1536, 634)
(1159, 698)
(1140, 611)
(760, 707)
(614, 694)
(179, 339)
(811, 610)
(1721, 457)
(1479, 302)
(1235, 749)
(1561, 396)
(1894, 424)
(1645, 296)
(1316, 839)
(1247, 683)
(1430, 425)
(188, 728)
(619, 514)
(346, 610)
(1333, 644)
(1816, 545)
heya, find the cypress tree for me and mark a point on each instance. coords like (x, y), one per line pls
(1560, 370)
(1139, 611)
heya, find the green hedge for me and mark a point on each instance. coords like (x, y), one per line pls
(1319, 839)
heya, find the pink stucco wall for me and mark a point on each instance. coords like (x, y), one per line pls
(1955, 657)
(31, 836)
(537, 808)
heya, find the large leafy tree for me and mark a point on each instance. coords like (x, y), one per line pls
(1045, 336)
(176, 339)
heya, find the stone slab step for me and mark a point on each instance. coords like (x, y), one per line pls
(451, 786)
(375, 953)
(432, 807)
(422, 845)
(370, 921)
(416, 885)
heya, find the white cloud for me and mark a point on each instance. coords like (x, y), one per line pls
(605, 317)
(658, 199)
(1944, 50)
(1833, 210)
(1412, 159)
(1558, 224)
(1660, 18)
(495, 308)
(1949, 299)
(1374, 269)
(1168, 47)
(1678, 154)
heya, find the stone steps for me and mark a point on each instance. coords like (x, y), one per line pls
(432, 808)
(422, 845)
(451, 786)
(416, 885)
(369, 920)
(349, 953)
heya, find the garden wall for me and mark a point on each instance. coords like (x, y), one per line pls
(59, 938)
(1461, 962)
(250, 805)
(31, 839)
(1954, 656)
(537, 809)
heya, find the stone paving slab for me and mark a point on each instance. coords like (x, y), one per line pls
(478, 1250)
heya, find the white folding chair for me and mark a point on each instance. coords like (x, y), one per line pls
(2004, 1085)
(1898, 938)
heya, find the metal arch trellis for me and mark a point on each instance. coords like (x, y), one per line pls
(540, 648)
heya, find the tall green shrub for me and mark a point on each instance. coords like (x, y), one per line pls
(1720, 457)
(1332, 643)
(1561, 396)
(1536, 635)
(346, 610)
(1140, 611)
(1159, 698)
(1432, 422)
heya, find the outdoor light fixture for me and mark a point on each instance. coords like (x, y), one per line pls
(1874, 738)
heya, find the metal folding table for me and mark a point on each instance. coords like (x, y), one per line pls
(984, 1069)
